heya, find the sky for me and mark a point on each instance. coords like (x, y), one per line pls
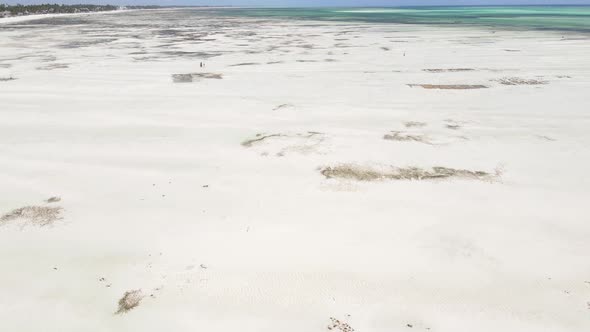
(305, 3)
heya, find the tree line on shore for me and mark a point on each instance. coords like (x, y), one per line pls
(16, 10)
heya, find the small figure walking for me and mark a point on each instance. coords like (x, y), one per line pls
(201, 64)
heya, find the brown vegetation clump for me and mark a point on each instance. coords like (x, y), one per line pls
(259, 138)
(353, 172)
(53, 66)
(450, 86)
(339, 325)
(36, 215)
(403, 137)
(130, 300)
(519, 81)
(412, 124)
(214, 76)
(447, 70)
(245, 64)
(188, 78)
(53, 199)
(182, 78)
(452, 124)
(283, 143)
(282, 106)
(6, 79)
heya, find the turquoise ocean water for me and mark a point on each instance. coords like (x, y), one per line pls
(564, 18)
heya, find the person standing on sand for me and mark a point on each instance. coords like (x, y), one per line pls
(201, 65)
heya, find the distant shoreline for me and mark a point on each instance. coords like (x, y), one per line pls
(32, 17)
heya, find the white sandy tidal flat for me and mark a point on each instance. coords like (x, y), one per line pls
(159, 193)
